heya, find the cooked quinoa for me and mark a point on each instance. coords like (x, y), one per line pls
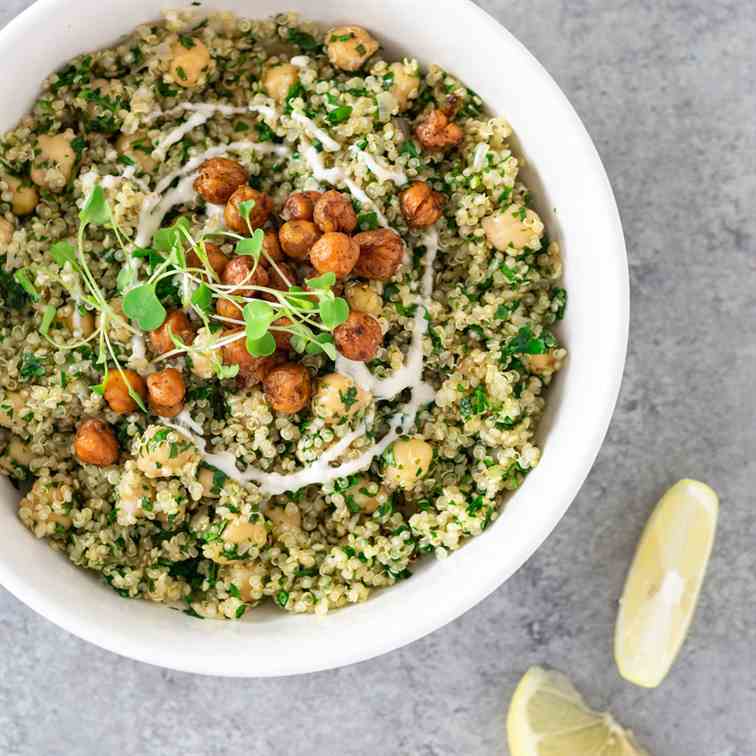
(121, 480)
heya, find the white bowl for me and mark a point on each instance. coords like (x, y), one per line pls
(579, 208)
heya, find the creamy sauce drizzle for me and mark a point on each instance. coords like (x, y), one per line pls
(380, 171)
(138, 350)
(329, 144)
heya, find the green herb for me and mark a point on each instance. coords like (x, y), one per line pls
(181, 73)
(264, 132)
(282, 598)
(96, 209)
(333, 312)
(48, 316)
(203, 298)
(142, 305)
(240, 126)
(339, 115)
(240, 611)
(475, 506)
(302, 39)
(409, 148)
(361, 49)
(234, 591)
(165, 90)
(31, 367)
(348, 396)
(295, 90)
(368, 221)
(341, 37)
(186, 41)
(559, 296)
(79, 145)
(524, 343)
(22, 279)
(13, 294)
(506, 196)
(125, 160)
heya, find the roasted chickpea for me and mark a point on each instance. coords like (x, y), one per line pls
(117, 384)
(297, 238)
(219, 178)
(406, 85)
(244, 274)
(514, 230)
(359, 337)
(190, 58)
(361, 297)
(6, 231)
(300, 206)
(283, 338)
(95, 443)
(278, 80)
(435, 132)
(349, 47)
(335, 253)
(421, 206)
(410, 461)
(166, 391)
(258, 215)
(338, 396)
(54, 161)
(381, 254)
(25, 198)
(271, 247)
(138, 148)
(215, 258)
(175, 323)
(251, 369)
(334, 212)
(276, 280)
(288, 388)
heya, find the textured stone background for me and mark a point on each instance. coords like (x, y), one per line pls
(667, 88)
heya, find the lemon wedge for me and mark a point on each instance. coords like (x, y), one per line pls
(664, 581)
(548, 717)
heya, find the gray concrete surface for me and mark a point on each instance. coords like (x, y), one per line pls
(667, 88)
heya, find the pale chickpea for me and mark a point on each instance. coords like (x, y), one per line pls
(138, 148)
(25, 198)
(359, 337)
(279, 79)
(421, 206)
(165, 453)
(333, 211)
(95, 443)
(406, 85)
(365, 494)
(11, 407)
(45, 507)
(241, 530)
(348, 47)
(203, 360)
(175, 323)
(297, 238)
(6, 231)
(117, 385)
(19, 451)
(210, 486)
(381, 254)
(190, 58)
(54, 153)
(288, 388)
(409, 461)
(435, 132)
(258, 216)
(133, 490)
(286, 519)
(215, 259)
(219, 178)
(361, 297)
(166, 390)
(79, 324)
(514, 230)
(300, 206)
(240, 575)
(334, 253)
(541, 364)
(338, 397)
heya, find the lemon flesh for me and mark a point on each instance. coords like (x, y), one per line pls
(548, 717)
(664, 581)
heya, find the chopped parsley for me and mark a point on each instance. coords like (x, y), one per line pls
(31, 367)
(303, 40)
(339, 115)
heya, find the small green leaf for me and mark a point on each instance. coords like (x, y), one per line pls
(99, 388)
(326, 281)
(203, 298)
(126, 278)
(333, 312)
(263, 347)
(323, 343)
(48, 315)
(245, 208)
(253, 245)
(22, 279)
(258, 316)
(96, 209)
(63, 252)
(298, 298)
(165, 239)
(226, 371)
(142, 305)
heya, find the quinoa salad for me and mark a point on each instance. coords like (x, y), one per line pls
(276, 315)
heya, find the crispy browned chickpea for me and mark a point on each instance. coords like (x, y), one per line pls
(117, 383)
(300, 205)
(283, 339)
(271, 247)
(242, 272)
(258, 216)
(95, 443)
(421, 206)
(334, 212)
(215, 257)
(251, 369)
(297, 238)
(381, 254)
(176, 323)
(276, 281)
(335, 253)
(227, 308)
(219, 178)
(359, 337)
(166, 390)
(435, 132)
(288, 388)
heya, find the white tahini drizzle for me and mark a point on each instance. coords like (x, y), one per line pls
(300, 61)
(329, 144)
(138, 350)
(381, 172)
